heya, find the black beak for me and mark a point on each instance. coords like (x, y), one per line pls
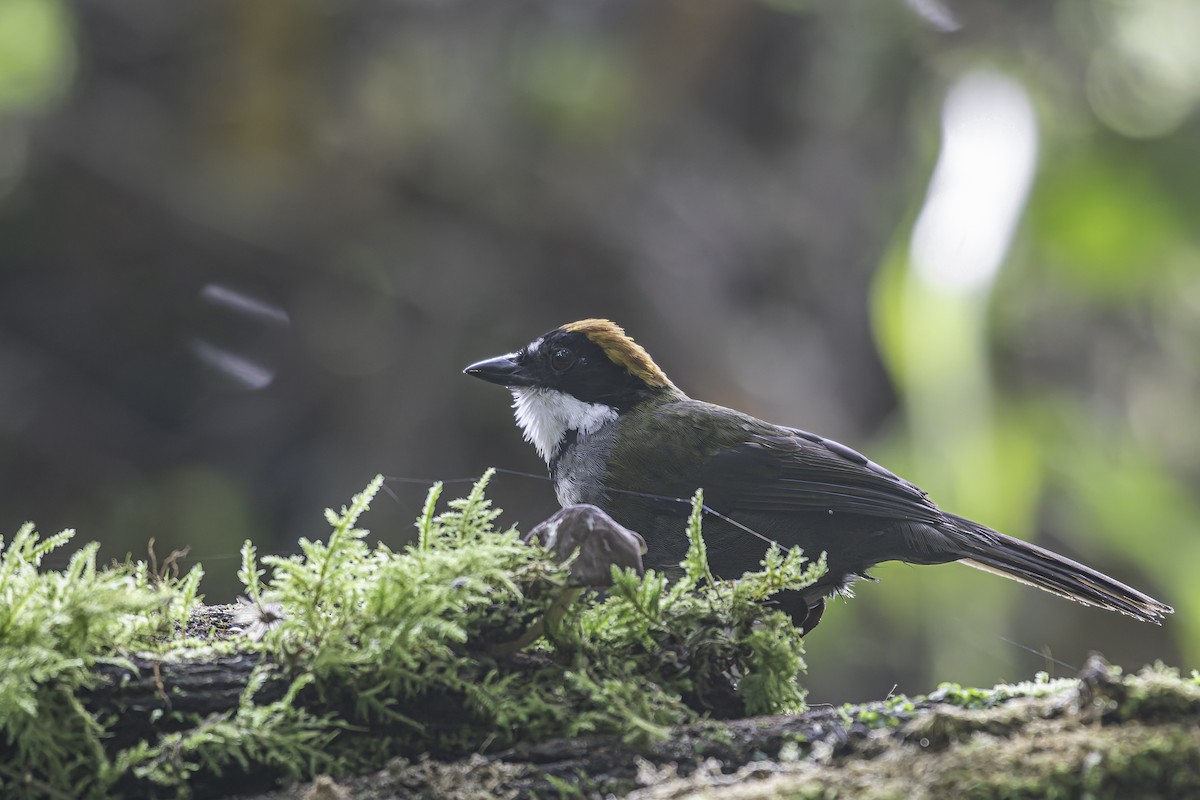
(504, 370)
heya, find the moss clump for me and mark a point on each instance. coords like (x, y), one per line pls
(386, 636)
(975, 698)
(384, 652)
(55, 626)
(1158, 693)
(711, 643)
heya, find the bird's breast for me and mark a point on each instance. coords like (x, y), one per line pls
(581, 464)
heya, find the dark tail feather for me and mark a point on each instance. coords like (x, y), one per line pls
(988, 550)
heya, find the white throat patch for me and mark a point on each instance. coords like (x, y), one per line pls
(545, 416)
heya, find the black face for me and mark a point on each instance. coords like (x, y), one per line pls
(569, 362)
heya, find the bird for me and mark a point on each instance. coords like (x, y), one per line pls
(615, 432)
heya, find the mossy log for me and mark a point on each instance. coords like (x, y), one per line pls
(214, 715)
(1102, 735)
(145, 697)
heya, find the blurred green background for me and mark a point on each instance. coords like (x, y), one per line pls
(247, 247)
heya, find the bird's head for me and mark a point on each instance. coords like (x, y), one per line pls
(576, 378)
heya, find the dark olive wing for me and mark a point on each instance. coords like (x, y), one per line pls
(777, 470)
(745, 464)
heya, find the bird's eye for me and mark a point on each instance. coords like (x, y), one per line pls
(562, 359)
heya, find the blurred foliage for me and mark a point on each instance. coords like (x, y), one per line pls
(36, 54)
(245, 249)
(1105, 228)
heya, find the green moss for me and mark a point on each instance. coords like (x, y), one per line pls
(1068, 761)
(280, 736)
(55, 626)
(404, 646)
(874, 716)
(974, 698)
(712, 643)
(1159, 693)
